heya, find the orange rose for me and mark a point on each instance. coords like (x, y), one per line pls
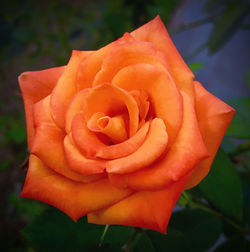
(119, 132)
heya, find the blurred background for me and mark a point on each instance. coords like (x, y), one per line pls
(213, 36)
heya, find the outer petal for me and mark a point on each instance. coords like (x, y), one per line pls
(129, 54)
(35, 86)
(214, 117)
(155, 32)
(89, 68)
(187, 150)
(142, 209)
(75, 199)
(66, 88)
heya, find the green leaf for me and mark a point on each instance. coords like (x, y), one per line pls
(213, 5)
(26, 207)
(17, 134)
(182, 201)
(195, 66)
(55, 231)
(226, 25)
(188, 230)
(4, 165)
(163, 8)
(143, 244)
(222, 187)
(240, 124)
(237, 243)
(118, 236)
(201, 229)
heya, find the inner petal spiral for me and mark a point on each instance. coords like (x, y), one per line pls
(113, 127)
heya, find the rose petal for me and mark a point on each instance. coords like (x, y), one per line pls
(129, 54)
(163, 95)
(75, 199)
(89, 68)
(66, 88)
(49, 139)
(78, 162)
(41, 112)
(153, 147)
(142, 209)
(30, 83)
(112, 100)
(75, 106)
(125, 148)
(214, 117)
(187, 150)
(155, 32)
(86, 141)
(143, 104)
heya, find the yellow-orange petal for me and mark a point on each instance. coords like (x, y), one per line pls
(41, 112)
(112, 100)
(73, 198)
(48, 143)
(78, 162)
(163, 94)
(125, 148)
(186, 152)
(155, 32)
(75, 106)
(214, 117)
(48, 140)
(129, 54)
(142, 209)
(89, 67)
(66, 88)
(154, 145)
(86, 141)
(35, 86)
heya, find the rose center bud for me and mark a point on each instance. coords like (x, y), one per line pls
(113, 127)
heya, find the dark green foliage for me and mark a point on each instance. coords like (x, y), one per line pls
(227, 24)
(188, 230)
(240, 124)
(222, 187)
(55, 231)
(237, 243)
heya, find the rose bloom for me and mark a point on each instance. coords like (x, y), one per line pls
(118, 133)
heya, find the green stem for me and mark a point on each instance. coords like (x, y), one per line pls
(191, 25)
(196, 51)
(103, 235)
(209, 210)
(133, 239)
(25, 163)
